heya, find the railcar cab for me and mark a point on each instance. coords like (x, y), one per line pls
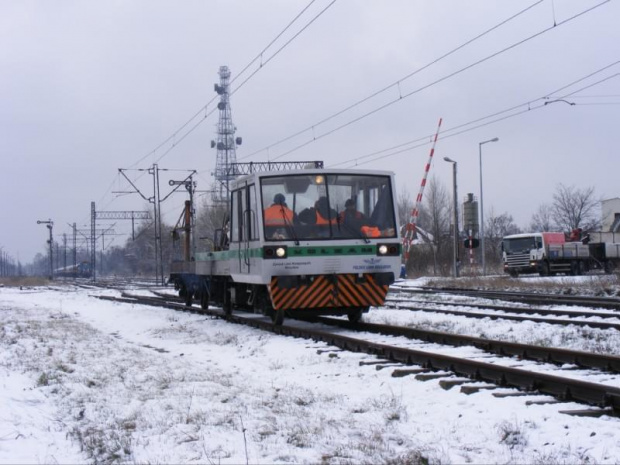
(300, 207)
(325, 205)
(314, 241)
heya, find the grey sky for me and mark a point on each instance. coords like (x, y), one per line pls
(90, 87)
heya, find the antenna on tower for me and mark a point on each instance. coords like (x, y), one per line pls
(226, 143)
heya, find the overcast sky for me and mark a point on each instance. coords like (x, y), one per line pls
(87, 88)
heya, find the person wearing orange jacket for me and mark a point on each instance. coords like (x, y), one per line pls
(278, 214)
(356, 219)
(325, 214)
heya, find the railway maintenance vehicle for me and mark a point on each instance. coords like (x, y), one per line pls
(302, 242)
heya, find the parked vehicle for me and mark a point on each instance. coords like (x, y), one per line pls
(549, 253)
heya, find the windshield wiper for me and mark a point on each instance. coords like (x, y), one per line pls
(352, 230)
(289, 227)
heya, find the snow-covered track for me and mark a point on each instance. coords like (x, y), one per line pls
(612, 303)
(609, 363)
(514, 317)
(563, 388)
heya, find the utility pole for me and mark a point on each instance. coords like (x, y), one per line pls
(190, 215)
(64, 248)
(156, 200)
(50, 225)
(482, 251)
(74, 247)
(456, 218)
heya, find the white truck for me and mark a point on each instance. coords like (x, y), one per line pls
(548, 253)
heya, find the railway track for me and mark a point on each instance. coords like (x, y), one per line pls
(612, 303)
(408, 347)
(396, 300)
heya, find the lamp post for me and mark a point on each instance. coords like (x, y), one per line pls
(456, 218)
(484, 265)
(50, 226)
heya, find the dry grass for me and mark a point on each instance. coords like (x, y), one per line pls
(23, 281)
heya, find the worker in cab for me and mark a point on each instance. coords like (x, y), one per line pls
(353, 218)
(324, 214)
(350, 214)
(278, 214)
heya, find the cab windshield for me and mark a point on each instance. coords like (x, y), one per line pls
(327, 206)
(519, 245)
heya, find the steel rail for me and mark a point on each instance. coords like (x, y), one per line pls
(499, 316)
(565, 389)
(541, 299)
(504, 308)
(510, 349)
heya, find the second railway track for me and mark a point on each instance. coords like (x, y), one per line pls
(503, 374)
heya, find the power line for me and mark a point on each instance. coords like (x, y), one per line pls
(425, 140)
(272, 42)
(390, 86)
(282, 48)
(204, 108)
(437, 81)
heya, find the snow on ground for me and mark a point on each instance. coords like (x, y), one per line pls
(86, 380)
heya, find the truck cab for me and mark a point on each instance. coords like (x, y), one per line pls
(523, 253)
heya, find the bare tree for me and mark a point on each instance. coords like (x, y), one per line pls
(542, 220)
(209, 217)
(435, 218)
(575, 208)
(405, 206)
(496, 227)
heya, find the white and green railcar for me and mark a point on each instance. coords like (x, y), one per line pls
(306, 242)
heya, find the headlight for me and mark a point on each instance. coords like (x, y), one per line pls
(389, 250)
(275, 251)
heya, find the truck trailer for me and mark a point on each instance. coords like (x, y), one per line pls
(549, 253)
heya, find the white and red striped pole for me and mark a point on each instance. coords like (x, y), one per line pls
(413, 220)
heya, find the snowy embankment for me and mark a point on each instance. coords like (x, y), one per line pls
(84, 380)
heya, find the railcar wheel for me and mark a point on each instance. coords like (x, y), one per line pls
(227, 307)
(204, 300)
(278, 317)
(188, 298)
(355, 315)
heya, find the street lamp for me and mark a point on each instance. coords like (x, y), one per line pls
(456, 218)
(484, 265)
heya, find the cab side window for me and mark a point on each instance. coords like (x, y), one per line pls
(236, 219)
(251, 213)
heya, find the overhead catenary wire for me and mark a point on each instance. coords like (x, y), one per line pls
(205, 106)
(316, 137)
(390, 86)
(174, 137)
(466, 127)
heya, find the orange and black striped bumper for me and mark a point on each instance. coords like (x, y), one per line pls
(326, 291)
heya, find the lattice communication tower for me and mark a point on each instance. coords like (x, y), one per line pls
(226, 143)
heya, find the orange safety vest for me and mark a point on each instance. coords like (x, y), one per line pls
(276, 214)
(357, 215)
(371, 231)
(321, 220)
